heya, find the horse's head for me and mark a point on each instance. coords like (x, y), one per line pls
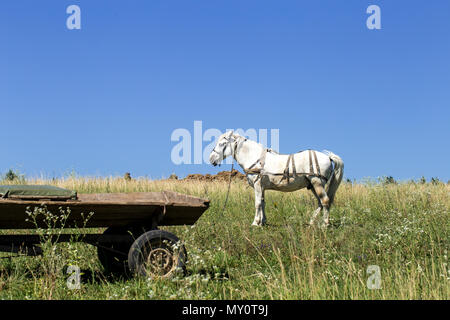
(225, 146)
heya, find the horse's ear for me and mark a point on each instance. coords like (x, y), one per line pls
(230, 133)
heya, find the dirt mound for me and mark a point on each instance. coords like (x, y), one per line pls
(220, 176)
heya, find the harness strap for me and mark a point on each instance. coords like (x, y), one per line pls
(286, 170)
(261, 161)
(294, 170)
(317, 163)
(311, 168)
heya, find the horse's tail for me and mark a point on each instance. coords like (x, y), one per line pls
(336, 177)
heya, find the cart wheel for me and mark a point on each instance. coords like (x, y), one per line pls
(157, 254)
(113, 254)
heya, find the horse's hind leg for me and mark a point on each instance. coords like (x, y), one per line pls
(319, 191)
(317, 211)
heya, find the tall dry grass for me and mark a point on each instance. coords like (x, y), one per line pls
(402, 228)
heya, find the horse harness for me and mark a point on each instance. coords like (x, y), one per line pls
(286, 173)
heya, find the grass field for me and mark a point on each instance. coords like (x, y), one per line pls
(402, 228)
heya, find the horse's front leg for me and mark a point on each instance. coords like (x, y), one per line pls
(260, 216)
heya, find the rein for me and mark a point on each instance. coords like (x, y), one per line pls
(228, 191)
(231, 172)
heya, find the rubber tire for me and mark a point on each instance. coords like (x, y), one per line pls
(150, 241)
(113, 262)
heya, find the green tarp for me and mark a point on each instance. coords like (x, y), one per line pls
(36, 192)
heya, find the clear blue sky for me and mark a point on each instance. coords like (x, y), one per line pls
(105, 99)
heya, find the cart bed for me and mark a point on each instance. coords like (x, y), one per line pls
(110, 209)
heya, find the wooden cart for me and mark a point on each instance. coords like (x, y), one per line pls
(131, 242)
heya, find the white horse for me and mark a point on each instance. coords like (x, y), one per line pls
(269, 170)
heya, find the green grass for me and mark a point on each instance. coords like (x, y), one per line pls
(403, 228)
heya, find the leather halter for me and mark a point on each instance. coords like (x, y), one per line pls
(233, 150)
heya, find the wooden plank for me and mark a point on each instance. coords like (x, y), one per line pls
(115, 209)
(92, 238)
